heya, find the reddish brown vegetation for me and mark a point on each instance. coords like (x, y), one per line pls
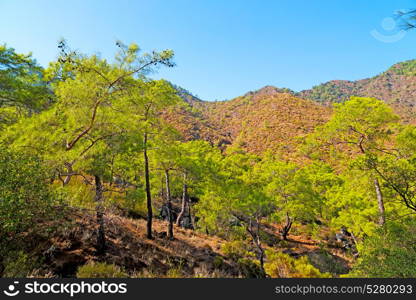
(268, 119)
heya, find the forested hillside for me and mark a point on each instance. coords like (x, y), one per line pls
(250, 119)
(266, 119)
(396, 86)
(106, 172)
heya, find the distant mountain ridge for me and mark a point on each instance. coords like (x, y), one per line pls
(272, 118)
(395, 86)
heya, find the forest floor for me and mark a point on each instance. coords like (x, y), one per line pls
(190, 254)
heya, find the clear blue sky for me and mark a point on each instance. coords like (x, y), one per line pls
(224, 48)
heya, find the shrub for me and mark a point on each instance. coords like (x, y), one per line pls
(326, 262)
(249, 268)
(218, 262)
(24, 193)
(100, 270)
(389, 253)
(175, 272)
(280, 265)
(26, 202)
(133, 202)
(19, 264)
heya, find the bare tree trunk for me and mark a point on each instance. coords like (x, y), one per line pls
(380, 202)
(101, 244)
(70, 171)
(255, 235)
(184, 201)
(67, 179)
(169, 206)
(148, 193)
(286, 228)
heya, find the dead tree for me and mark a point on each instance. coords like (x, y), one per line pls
(286, 228)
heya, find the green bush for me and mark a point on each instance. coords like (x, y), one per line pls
(280, 265)
(133, 201)
(24, 193)
(218, 262)
(327, 262)
(390, 253)
(249, 268)
(175, 272)
(19, 264)
(100, 270)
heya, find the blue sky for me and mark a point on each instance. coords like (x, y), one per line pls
(223, 48)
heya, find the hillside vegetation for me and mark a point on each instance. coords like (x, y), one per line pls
(266, 119)
(263, 121)
(396, 86)
(273, 118)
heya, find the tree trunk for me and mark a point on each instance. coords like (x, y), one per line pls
(169, 206)
(380, 202)
(70, 171)
(255, 235)
(261, 253)
(148, 193)
(191, 217)
(286, 228)
(100, 215)
(184, 201)
(162, 189)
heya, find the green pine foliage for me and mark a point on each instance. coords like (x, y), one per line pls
(390, 252)
(25, 196)
(280, 265)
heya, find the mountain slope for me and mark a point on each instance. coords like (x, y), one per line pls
(191, 254)
(266, 119)
(191, 121)
(396, 86)
(273, 118)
